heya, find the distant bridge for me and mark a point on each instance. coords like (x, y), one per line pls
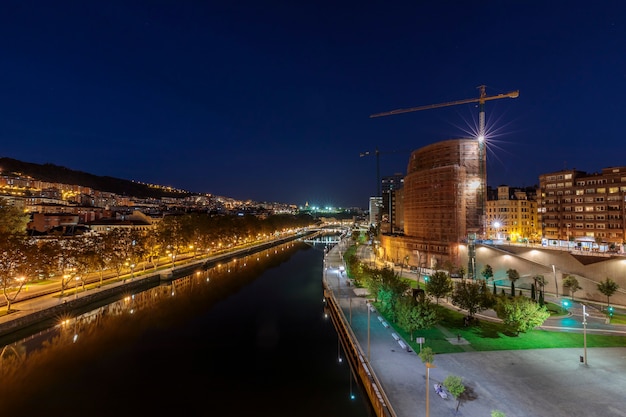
(326, 235)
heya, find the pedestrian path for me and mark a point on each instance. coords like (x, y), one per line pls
(494, 380)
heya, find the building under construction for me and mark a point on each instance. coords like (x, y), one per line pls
(442, 204)
(444, 196)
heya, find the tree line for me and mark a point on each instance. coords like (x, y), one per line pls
(71, 259)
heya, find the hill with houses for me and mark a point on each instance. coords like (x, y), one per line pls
(58, 174)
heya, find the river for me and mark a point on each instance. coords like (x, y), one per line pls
(245, 338)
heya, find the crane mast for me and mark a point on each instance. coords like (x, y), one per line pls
(481, 196)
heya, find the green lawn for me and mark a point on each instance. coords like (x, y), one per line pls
(618, 319)
(487, 335)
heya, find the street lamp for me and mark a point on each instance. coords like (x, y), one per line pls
(419, 268)
(428, 366)
(585, 314)
(556, 285)
(497, 225)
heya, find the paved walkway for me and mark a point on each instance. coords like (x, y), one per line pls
(528, 383)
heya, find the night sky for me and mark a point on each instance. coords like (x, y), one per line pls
(270, 101)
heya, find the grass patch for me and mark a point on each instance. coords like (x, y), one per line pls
(618, 319)
(485, 335)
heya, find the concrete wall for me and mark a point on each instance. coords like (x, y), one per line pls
(589, 270)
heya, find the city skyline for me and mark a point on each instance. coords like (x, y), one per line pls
(272, 102)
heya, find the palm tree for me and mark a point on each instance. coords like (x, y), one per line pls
(540, 282)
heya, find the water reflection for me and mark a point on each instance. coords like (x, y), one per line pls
(242, 338)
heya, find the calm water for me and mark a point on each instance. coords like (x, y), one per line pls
(251, 341)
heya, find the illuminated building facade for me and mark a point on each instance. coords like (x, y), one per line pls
(512, 214)
(442, 204)
(574, 205)
(390, 186)
(375, 210)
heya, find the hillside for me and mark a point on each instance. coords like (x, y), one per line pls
(55, 173)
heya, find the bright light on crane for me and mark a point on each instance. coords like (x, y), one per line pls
(481, 194)
(480, 137)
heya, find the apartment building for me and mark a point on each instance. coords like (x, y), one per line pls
(576, 206)
(512, 214)
(390, 185)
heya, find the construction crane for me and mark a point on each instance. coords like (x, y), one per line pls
(377, 154)
(482, 160)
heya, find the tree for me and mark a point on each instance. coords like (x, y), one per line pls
(427, 355)
(571, 283)
(439, 285)
(608, 287)
(13, 221)
(497, 413)
(513, 276)
(540, 283)
(415, 315)
(454, 385)
(461, 271)
(391, 289)
(487, 272)
(520, 313)
(374, 281)
(472, 296)
(16, 266)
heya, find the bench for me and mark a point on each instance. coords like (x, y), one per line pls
(403, 345)
(395, 336)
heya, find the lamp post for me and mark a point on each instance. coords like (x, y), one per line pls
(556, 285)
(497, 225)
(585, 314)
(428, 366)
(419, 268)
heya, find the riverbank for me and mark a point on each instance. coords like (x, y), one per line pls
(37, 313)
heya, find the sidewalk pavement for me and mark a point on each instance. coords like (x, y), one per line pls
(523, 383)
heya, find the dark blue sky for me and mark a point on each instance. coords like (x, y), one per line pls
(270, 101)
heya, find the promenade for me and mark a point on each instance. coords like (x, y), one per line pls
(526, 383)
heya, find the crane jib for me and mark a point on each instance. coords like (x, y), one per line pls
(512, 94)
